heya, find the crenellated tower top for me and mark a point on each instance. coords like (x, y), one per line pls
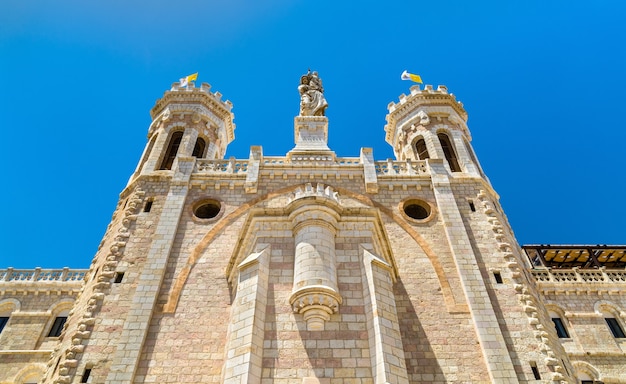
(187, 121)
(429, 123)
(208, 106)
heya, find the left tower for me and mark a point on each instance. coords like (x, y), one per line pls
(106, 331)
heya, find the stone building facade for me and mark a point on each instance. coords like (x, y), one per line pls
(314, 268)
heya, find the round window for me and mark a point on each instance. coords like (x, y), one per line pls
(208, 209)
(416, 209)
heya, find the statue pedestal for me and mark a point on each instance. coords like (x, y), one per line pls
(311, 137)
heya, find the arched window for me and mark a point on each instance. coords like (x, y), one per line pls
(448, 151)
(146, 154)
(60, 311)
(470, 150)
(7, 307)
(421, 149)
(611, 316)
(172, 150)
(557, 315)
(31, 374)
(198, 149)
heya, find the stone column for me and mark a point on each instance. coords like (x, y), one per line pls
(314, 214)
(244, 350)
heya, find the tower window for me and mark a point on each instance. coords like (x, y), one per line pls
(616, 329)
(198, 149)
(448, 151)
(533, 367)
(561, 331)
(422, 150)
(3, 321)
(148, 206)
(57, 327)
(85, 375)
(118, 277)
(172, 150)
(472, 206)
(498, 277)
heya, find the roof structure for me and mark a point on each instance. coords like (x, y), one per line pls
(580, 256)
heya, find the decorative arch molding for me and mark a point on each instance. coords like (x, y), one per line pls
(418, 120)
(30, 373)
(604, 307)
(60, 306)
(196, 253)
(442, 128)
(584, 368)
(555, 308)
(198, 113)
(169, 129)
(10, 305)
(414, 136)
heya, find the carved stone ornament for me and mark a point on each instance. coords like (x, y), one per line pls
(166, 114)
(424, 119)
(312, 101)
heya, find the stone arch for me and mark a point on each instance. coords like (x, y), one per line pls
(10, 306)
(604, 307)
(172, 146)
(583, 368)
(448, 148)
(227, 220)
(556, 311)
(472, 155)
(32, 373)
(414, 137)
(61, 306)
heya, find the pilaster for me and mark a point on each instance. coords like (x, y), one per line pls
(494, 349)
(127, 355)
(369, 170)
(244, 351)
(254, 165)
(387, 355)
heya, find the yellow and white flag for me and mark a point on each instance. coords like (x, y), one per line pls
(409, 76)
(185, 80)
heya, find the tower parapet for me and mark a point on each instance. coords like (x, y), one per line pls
(431, 123)
(189, 122)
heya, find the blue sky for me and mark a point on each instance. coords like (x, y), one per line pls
(543, 83)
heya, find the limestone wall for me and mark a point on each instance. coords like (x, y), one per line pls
(32, 299)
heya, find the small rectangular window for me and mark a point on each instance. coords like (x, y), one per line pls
(118, 277)
(85, 375)
(148, 206)
(498, 277)
(533, 367)
(3, 322)
(472, 207)
(561, 331)
(616, 329)
(57, 327)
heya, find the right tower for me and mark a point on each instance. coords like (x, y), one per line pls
(458, 223)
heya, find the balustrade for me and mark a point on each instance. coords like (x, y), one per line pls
(39, 274)
(231, 166)
(579, 276)
(401, 168)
